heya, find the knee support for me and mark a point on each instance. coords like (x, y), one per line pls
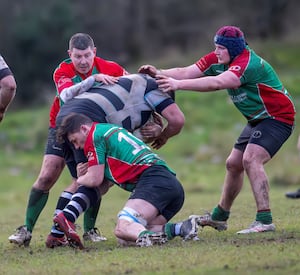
(131, 215)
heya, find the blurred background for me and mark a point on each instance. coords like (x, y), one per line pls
(34, 40)
(165, 33)
(35, 34)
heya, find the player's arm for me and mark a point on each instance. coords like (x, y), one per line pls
(71, 91)
(187, 72)
(65, 87)
(194, 71)
(225, 80)
(93, 177)
(7, 93)
(8, 87)
(175, 121)
(82, 169)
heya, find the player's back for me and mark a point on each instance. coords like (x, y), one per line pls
(124, 102)
(128, 103)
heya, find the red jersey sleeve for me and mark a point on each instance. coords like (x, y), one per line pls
(206, 61)
(90, 149)
(62, 76)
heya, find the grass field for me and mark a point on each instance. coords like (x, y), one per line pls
(197, 155)
(215, 253)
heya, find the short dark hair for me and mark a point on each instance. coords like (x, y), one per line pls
(71, 124)
(81, 41)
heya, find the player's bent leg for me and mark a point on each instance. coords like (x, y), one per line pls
(56, 236)
(131, 233)
(254, 159)
(132, 224)
(128, 226)
(68, 228)
(233, 182)
(65, 220)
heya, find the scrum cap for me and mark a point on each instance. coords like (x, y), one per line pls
(232, 38)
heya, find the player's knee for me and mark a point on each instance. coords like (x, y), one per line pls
(8, 84)
(45, 182)
(248, 161)
(233, 166)
(119, 229)
(126, 217)
(131, 215)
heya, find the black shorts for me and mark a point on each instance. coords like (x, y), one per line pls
(269, 133)
(160, 187)
(65, 150)
(72, 157)
(52, 146)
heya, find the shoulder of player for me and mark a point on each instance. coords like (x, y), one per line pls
(66, 66)
(103, 62)
(103, 130)
(247, 60)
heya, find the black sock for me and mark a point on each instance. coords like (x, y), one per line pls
(63, 200)
(81, 200)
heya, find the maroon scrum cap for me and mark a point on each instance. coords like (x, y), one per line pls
(232, 38)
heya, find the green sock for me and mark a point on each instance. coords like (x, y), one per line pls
(264, 216)
(169, 229)
(219, 214)
(146, 232)
(90, 217)
(36, 203)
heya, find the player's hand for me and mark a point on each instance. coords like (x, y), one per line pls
(159, 142)
(106, 79)
(166, 84)
(148, 69)
(81, 168)
(158, 119)
(150, 130)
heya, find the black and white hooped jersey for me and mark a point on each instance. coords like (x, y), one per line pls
(128, 103)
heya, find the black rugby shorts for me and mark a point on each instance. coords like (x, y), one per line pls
(158, 186)
(269, 133)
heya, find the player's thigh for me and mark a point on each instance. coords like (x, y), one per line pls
(147, 211)
(255, 153)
